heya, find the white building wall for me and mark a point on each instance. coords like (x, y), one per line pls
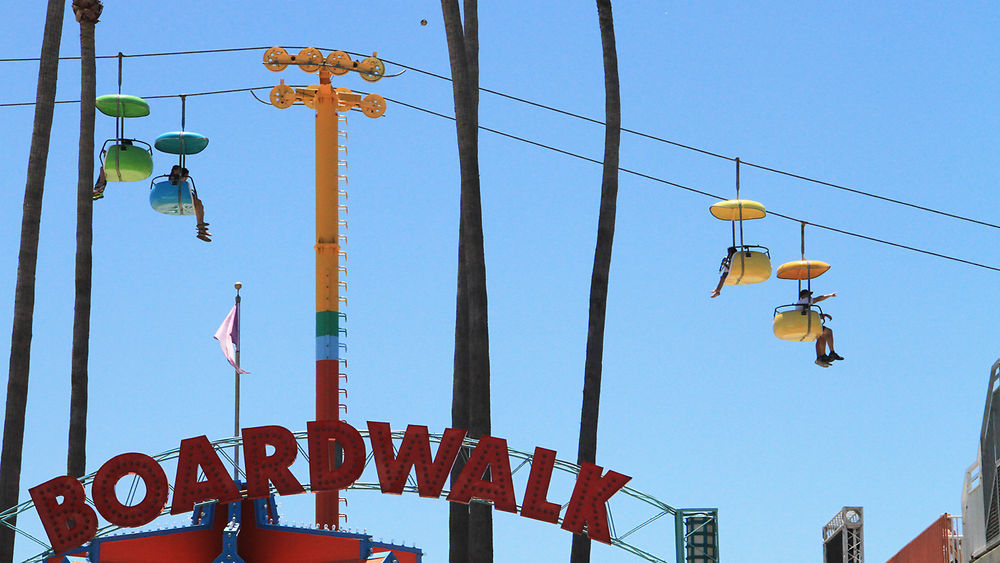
(974, 520)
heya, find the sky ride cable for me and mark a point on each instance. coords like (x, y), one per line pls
(563, 112)
(707, 152)
(183, 124)
(632, 172)
(802, 238)
(739, 204)
(119, 118)
(566, 113)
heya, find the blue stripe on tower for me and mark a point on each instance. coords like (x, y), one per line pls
(327, 347)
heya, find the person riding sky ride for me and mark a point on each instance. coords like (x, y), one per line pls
(179, 174)
(724, 268)
(825, 340)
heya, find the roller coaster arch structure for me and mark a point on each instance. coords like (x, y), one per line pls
(695, 530)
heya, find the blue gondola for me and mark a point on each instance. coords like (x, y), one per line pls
(172, 198)
(181, 142)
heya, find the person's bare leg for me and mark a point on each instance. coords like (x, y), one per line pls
(102, 183)
(822, 359)
(833, 355)
(199, 215)
(718, 288)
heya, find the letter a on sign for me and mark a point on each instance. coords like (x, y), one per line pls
(218, 485)
(262, 468)
(490, 454)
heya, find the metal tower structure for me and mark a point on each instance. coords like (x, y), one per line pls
(844, 537)
(328, 102)
(989, 449)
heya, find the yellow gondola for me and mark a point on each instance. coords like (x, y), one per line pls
(798, 323)
(802, 269)
(738, 209)
(748, 264)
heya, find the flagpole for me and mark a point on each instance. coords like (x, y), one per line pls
(236, 428)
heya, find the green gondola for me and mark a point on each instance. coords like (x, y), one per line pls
(121, 105)
(127, 162)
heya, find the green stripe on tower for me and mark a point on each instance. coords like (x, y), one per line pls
(328, 323)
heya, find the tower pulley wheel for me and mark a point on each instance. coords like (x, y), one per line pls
(339, 63)
(371, 69)
(310, 59)
(282, 96)
(271, 61)
(373, 105)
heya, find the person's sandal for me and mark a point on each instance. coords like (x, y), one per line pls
(203, 233)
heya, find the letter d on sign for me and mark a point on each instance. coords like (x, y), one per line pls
(323, 473)
(70, 523)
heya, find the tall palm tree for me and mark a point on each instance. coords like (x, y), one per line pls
(88, 13)
(458, 514)
(471, 400)
(580, 552)
(24, 293)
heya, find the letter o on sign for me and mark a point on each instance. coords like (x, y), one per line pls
(106, 500)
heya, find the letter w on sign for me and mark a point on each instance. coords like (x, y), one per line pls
(414, 452)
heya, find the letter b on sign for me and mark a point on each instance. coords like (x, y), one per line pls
(69, 523)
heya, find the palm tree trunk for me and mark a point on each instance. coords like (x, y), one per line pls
(463, 52)
(87, 13)
(24, 293)
(458, 515)
(580, 552)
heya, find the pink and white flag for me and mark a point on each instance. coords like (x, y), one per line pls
(228, 336)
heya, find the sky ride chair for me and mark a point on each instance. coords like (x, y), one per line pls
(175, 193)
(172, 195)
(795, 322)
(124, 160)
(749, 263)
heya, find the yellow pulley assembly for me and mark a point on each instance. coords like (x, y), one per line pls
(310, 59)
(271, 59)
(373, 105)
(339, 63)
(282, 96)
(371, 69)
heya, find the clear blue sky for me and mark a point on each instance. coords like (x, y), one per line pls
(701, 405)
